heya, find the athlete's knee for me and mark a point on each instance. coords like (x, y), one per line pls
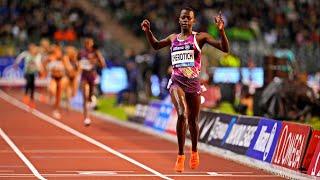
(192, 123)
(181, 110)
(182, 114)
(182, 121)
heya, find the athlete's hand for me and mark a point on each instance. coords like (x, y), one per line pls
(145, 25)
(219, 21)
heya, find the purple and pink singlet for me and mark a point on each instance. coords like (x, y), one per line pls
(88, 69)
(186, 63)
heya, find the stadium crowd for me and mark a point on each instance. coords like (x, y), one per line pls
(277, 21)
(30, 20)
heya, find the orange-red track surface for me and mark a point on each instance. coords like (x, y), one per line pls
(58, 154)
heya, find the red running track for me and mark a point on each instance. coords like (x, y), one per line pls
(68, 150)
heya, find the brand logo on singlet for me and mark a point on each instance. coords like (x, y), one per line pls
(182, 56)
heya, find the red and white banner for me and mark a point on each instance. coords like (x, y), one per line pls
(291, 145)
(314, 167)
(312, 145)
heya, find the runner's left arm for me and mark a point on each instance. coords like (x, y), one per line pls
(223, 44)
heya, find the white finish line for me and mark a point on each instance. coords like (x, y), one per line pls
(52, 121)
(21, 156)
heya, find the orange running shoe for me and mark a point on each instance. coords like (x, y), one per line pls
(43, 98)
(179, 167)
(32, 104)
(194, 160)
(26, 99)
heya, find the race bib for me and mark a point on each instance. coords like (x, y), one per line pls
(182, 56)
(30, 65)
(85, 64)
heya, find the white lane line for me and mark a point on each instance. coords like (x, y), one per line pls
(142, 175)
(59, 151)
(217, 174)
(21, 156)
(81, 151)
(141, 151)
(50, 120)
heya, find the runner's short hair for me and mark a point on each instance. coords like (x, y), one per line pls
(188, 8)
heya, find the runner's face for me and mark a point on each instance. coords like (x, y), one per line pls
(186, 19)
(32, 49)
(88, 43)
(71, 52)
(45, 44)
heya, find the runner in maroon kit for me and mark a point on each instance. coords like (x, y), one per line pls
(185, 86)
(90, 58)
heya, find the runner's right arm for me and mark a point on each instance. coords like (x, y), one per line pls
(101, 60)
(156, 44)
(67, 64)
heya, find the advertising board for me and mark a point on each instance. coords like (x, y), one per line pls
(264, 142)
(291, 146)
(241, 134)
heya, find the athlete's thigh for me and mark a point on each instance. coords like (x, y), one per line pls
(85, 88)
(65, 81)
(75, 84)
(193, 102)
(52, 86)
(178, 99)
